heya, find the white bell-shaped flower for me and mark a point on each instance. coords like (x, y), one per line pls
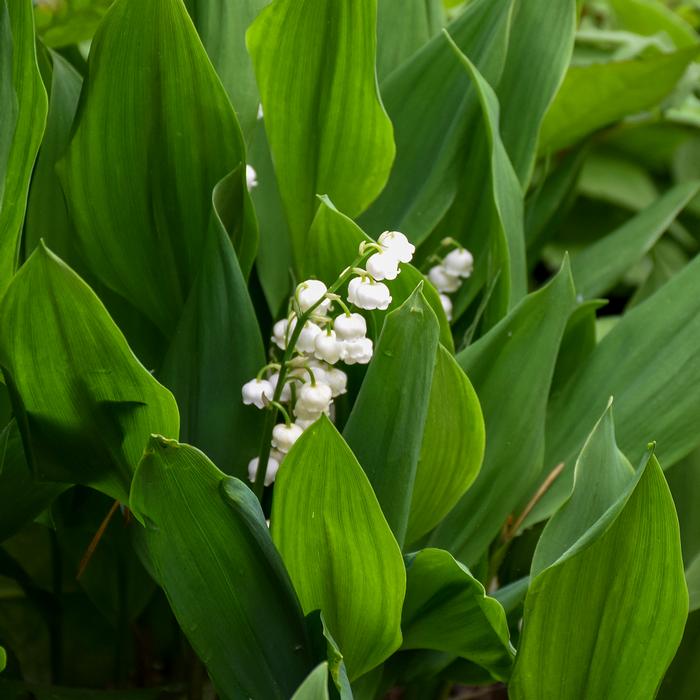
(442, 280)
(383, 266)
(350, 326)
(304, 423)
(279, 333)
(314, 398)
(251, 177)
(307, 337)
(327, 347)
(284, 436)
(256, 391)
(446, 305)
(337, 380)
(309, 292)
(273, 466)
(459, 262)
(368, 295)
(398, 245)
(357, 351)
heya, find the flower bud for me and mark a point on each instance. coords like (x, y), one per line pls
(307, 337)
(284, 436)
(383, 266)
(286, 393)
(443, 280)
(368, 295)
(350, 327)
(357, 351)
(398, 245)
(272, 466)
(279, 333)
(446, 305)
(314, 398)
(251, 177)
(459, 263)
(256, 391)
(337, 380)
(327, 347)
(309, 292)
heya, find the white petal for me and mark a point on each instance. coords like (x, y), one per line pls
(349, 327)
(459, 262)
(442, 280)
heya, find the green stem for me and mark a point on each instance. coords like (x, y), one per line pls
(271, 419)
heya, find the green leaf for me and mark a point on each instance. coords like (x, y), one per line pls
(338, 548)
(315, 686)
(47, 215)
(601, 475)
(333, 244)
(222, 27)
(596, 95)
(385, 428)
(504, 204)
(323, 117)
(539, 50)
(21, 498)
(599, 266)
(431, 105)
(68, 21)
(216, 349)
(154, 134)
(452, 448)
(650, 17)
(447, 609)
(3, 659)
(654, 394)
(24, 101)
(605, 619)
(85, 404)
(516, 360)
(207, 539)
(403, 27)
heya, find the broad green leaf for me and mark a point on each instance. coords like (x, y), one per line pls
(649, 17)
(85, 405)
(403, 27)
(515, 359)
(154, 134)
(24, 106)
(315, 686)
(681, 680)
(503, 198)
(599, 94)
(539, 50)
(222, 26)
(599, 266)
(333, 243)
(601, 476)
(68, 21)
(338, 548)
(3, 659)
(431, 105)
(21, 498)
(274, 261)
(216, 349)
(648, 363)
(385, 428)
(47, 215)
(606, 618)
(327, 128)
(578, 342)
(207, 539)
(452, 448)
(327, 648)
(447, 609)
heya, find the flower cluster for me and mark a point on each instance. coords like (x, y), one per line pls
(448, 275)
(303, 383)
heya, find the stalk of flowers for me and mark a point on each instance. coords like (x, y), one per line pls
(302, 384)
(450, 272)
